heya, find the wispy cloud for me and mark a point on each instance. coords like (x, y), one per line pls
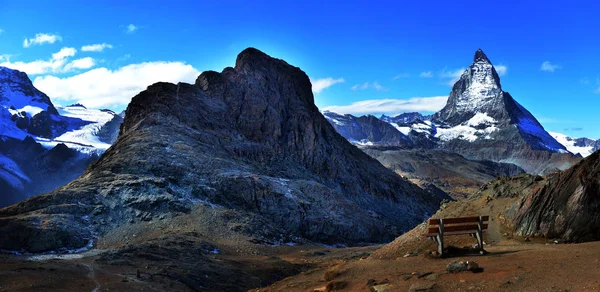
(118, 86)
(369, 85)
(96, 47)
(64, 53)
(41, 38)
(1, 31)
(549, 67)
(453, 75)
(319, 84)
(391, 106)
(501, 69)
(426, 74)
(403, 75)
(131, 28)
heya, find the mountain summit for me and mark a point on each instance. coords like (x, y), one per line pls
(482, 121)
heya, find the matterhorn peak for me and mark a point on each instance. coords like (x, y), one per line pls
(481, 57)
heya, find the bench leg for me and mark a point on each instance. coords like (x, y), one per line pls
(440, 242)
(479, 235)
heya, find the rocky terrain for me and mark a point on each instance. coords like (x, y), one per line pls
(239, 160)
(451, 172)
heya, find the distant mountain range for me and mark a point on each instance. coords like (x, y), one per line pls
(43, 146)
(480, 121)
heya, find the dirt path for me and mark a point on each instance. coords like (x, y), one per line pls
(92, 276)
(520, 267)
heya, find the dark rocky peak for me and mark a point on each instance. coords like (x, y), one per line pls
(77, 105)
(477, 90)
(481, 57)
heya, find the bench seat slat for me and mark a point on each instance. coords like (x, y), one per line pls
(436, 221)
(452, 233)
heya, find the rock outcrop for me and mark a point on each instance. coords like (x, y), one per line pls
(248, 141)
(567, 207)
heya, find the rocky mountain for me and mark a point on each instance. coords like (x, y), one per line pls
(581, 146)
(368, 131)
(567, 207)
(481, 121)
(43, 146)
(246, 150)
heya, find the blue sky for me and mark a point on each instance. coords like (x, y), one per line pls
(395, 51)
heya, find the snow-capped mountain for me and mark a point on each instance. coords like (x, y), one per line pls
(368, 131)
(43, 146)
(581, 146)
(481, 121)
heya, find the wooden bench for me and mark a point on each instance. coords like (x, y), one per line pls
(474, 226)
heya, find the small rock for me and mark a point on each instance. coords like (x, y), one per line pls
(407, 277)
(406, 255)
(421, 286)
(336, 285)
(456, 267)
(431, 277)
(381, 288)
(472, 266)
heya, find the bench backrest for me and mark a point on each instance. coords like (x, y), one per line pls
(463, 224)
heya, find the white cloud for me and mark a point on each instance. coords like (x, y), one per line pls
(374, 85)
(549, 67)
(319, 84)
(427, 74)
(454, 75)
(391, 106)
(96, 47)
(64, 53)
(102, 87)
(41, 38)
(83, 63)
(57, 64)
(501, 69)
(131, 28)
(403, 75)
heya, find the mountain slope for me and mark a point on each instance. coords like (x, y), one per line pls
(247, 142)
(457, 176)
